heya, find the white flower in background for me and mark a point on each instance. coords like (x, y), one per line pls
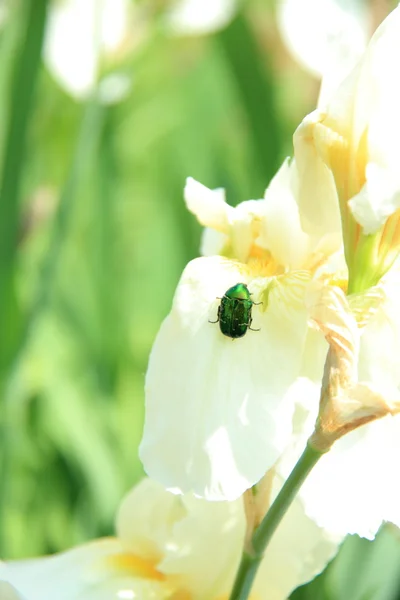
(80, 36)
(355, 140)
(196, 17)
(172, 547)
(327, 37)
(218, 410)
(85, 36)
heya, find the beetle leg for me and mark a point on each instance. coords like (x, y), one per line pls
(250, 327)
(218, 314)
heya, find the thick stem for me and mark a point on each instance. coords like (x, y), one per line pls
(263, 534)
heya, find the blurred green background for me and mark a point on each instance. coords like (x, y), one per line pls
(93, 238)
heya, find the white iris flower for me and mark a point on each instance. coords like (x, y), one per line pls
(170, 547)
(219, 410)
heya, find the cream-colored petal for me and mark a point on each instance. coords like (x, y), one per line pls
(298, 552)
(369, 97)
(317, 197)
(217, 414)
(146, 517)
(281, 231)
(207, 547)
(379, 358)
(207, 205)
(354, 488)
(378, 199)
(84, 573)
(245, 222)
(213, 242)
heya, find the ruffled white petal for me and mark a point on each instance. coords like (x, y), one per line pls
(353, 485)
(146, 518)
(217, 415)
(207, 547)
(297, 553)
(88, 572)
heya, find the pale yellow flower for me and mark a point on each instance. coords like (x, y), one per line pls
(219, 410)
(173, 548)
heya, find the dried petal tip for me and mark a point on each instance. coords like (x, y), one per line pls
(345, 403)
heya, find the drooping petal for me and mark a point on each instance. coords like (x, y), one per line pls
(217, 414)
(209, 541)
(86, 572)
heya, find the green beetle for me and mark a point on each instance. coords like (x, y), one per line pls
(234, 311)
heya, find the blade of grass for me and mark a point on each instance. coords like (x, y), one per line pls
(21, 102)
(255, 84)
(25, 77)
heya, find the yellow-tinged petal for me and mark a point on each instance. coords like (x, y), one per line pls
(209, 545)
(356, 138)
(281, 231)
(317, 196)
(217, 410)
(146, 518)
(100, 570)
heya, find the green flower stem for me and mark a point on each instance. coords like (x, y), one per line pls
(264, 532)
